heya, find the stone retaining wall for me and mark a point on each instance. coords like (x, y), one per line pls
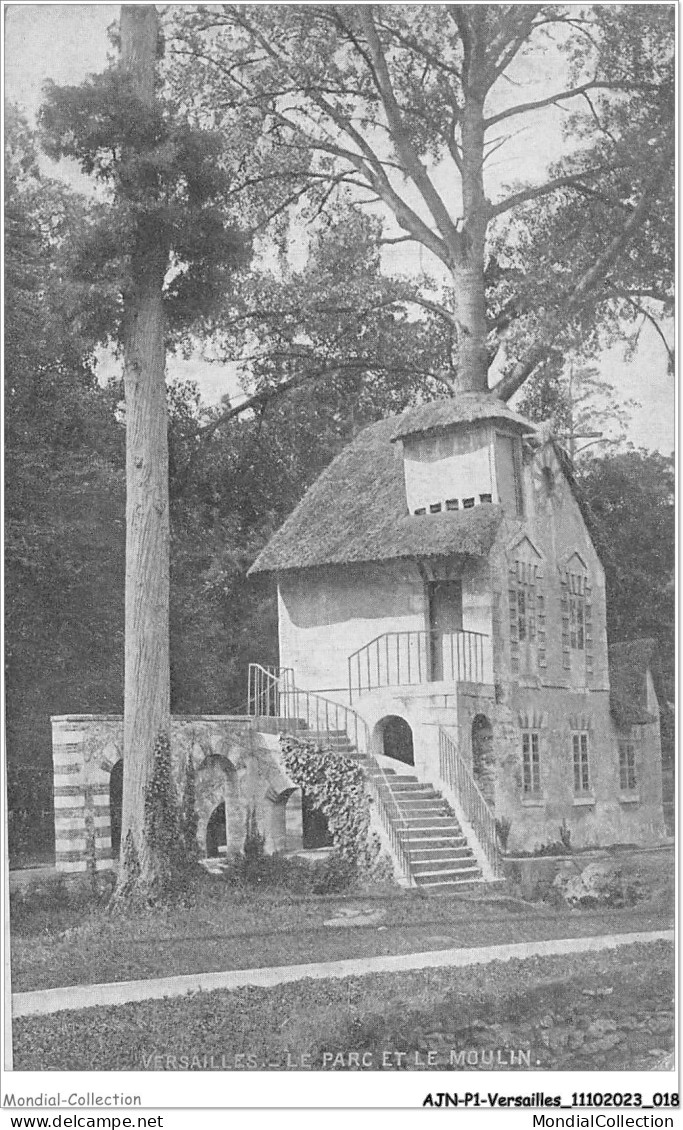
(233, 763)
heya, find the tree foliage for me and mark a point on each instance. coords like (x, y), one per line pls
(631, 498)
(583, 411)
(404, 107)
(63, 489)
(169, 188)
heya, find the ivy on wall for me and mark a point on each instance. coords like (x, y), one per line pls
(336, 785)
(170, 822)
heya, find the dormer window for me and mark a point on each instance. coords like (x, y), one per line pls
(435, 508)
(485, 498)
(421, 510)
(468, 503)
(452, 504)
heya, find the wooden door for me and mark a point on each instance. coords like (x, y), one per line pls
(445, 617)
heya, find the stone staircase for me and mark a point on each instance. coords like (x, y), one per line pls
(440, 858)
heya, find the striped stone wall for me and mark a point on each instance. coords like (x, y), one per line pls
(85, 748)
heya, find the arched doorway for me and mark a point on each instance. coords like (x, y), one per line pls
(216, 790)
(397, 739)
(216, 832)
(483, 758)
(315, 830)
(116, 807)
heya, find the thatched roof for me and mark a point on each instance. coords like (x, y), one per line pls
(356, 512)
(628, 667)
(462, 409)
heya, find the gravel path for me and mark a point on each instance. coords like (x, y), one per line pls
(45, 1001)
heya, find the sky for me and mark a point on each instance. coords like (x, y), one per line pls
(65, 42)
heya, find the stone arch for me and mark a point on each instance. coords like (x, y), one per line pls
(216, 831)
(483, 756)
(109, 757)
(115, 806)
(393, 737)
(216, 784)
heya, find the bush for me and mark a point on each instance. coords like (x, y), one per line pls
(503, 827)
(599, 884)
(49, 906)
(297, 876)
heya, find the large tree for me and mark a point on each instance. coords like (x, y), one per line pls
(405, 106)
(165, 235)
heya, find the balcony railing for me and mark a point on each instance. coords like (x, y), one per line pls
(273, 696)
(398, 659)
(456, 773)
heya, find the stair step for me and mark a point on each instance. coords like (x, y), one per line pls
(397, 779)
(405, 795)
(398, 785)
(441, 823)
(440, 866)
(452, 875)
(429, 804)
(452, 886)
(416, 831)
(428, 854)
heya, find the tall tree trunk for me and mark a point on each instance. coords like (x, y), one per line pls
(468, 276)
(147, 676)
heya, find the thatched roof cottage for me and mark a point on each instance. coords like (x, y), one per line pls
(439, 582)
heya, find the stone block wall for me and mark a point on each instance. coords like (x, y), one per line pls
(233, 763)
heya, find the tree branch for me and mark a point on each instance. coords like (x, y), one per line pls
(570, 181)
(513, 380)
(551, 100)
(414, 167)
(653, 322)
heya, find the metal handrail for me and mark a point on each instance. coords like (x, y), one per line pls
(409, 658)
(265, 687)
(393, 819)
(272, 694)
(456, 773)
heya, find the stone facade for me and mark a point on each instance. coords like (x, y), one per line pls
(233, 764)
(556, 756)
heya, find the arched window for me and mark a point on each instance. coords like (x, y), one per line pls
(115, 807)
(577, 629)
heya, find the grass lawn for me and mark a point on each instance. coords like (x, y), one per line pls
(59, 938)
(603, 1011)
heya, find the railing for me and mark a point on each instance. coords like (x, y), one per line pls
(266, 684)
(406, 658)
(393, 819)
(272, 695)
(457, 774)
